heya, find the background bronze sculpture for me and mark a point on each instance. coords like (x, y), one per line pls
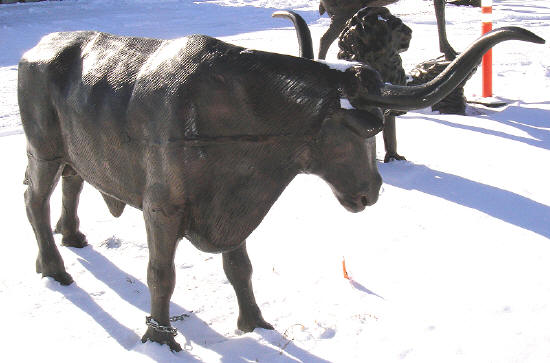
(183, 130)
(375, 37)
(340, 11)
(455, 102)
(475, 3)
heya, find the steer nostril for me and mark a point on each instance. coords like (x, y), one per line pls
(364, 200)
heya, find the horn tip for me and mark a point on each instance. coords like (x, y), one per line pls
(281, 13)
(523, 34)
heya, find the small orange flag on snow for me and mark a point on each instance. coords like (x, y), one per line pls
(346, 276)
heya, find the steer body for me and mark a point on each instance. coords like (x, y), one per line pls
(201, 135)
(209, 126)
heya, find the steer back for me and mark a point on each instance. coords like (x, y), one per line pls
(202, 128)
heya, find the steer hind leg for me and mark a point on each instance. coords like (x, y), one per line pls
(162, 239)
(41, 178)
(238, 270)
(68, 222)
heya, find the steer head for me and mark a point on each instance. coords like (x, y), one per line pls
(344, 150)
(347, 147)
(344, 155)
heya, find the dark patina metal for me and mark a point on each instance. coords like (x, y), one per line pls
(340, 11)
(203, 137)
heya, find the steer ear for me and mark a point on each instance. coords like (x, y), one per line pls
(365, 123)
(360, 81)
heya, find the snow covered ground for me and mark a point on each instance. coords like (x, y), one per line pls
(451, 265)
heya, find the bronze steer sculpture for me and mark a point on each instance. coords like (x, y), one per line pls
(340, 11)
(202, 136)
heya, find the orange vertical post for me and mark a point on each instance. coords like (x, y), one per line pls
(487, 62)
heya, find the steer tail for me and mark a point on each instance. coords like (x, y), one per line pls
(302, 32)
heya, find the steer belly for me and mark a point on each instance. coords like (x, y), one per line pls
(237, 185)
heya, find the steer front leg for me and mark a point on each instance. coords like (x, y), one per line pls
(162, 239)
(238, 270)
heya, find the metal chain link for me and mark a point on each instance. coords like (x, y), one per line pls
(179, 317)
(149, 321)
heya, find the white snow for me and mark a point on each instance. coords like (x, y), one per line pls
(338, 64)
(345, 103)
(451, 265)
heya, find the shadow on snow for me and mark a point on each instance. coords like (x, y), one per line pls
(532, 121)
(498, 203)
(193, 329)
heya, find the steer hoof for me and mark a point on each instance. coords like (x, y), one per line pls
(161, 338)
(393, 156)
(77, 240)
(249, 324)
(63, 278)
(60, 276)
(57, 273)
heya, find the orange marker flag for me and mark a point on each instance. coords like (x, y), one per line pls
(346, 276)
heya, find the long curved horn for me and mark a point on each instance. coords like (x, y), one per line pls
(302, 32)
(405, 98)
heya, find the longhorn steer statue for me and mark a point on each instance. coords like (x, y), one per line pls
(202, 136)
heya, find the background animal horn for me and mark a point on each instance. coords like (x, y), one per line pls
(302, 32)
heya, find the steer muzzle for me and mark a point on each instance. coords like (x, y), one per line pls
(366, 197)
